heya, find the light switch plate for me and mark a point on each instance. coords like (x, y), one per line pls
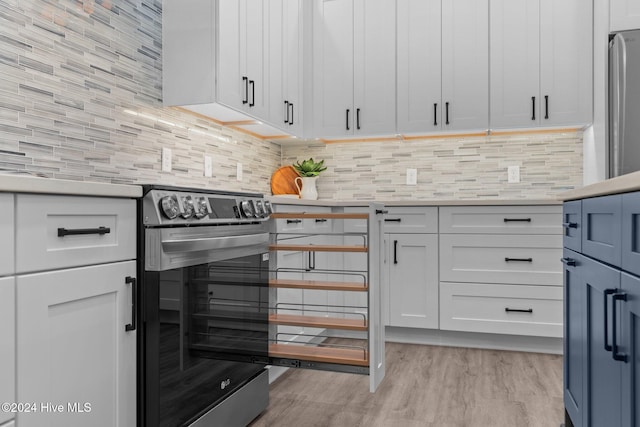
(412, 176)
(239, 171)
(208, 166)
(513, 174)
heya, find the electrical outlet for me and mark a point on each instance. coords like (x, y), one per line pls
(208, 166)
(239, 171)
(513, 174)
(166, 160)
(412, 176)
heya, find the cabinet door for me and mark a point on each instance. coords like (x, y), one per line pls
(419, 60)
(7, 231)
(465, 64)
(603, 374)
(375, 66)
(232, 85)
(566, 63)
(73, 347)
(515, 63)
(624, 15)
(631, 232)
(254, 45)
(8, 347)
(413, 280)
(631, 347)
(601, 228)
(575, 338)
(333, 68)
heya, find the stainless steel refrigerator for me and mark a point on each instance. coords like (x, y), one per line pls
(624, 103)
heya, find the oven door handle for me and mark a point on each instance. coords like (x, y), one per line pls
(210, 243)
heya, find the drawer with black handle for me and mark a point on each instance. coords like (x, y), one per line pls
(533, 219)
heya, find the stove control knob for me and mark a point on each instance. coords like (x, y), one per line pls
(259, 209)
(169, 207)
(187, 207)
(200, 207)
(247, 209)
(268, 210)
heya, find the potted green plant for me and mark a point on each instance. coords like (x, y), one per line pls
(309, 170)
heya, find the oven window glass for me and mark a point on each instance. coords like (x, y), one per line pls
(213, 334)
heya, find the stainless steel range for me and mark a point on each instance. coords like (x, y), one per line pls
(204, 307)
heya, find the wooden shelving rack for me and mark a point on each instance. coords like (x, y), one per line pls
(328, 354)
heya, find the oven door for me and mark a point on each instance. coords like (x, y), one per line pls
(206, 318)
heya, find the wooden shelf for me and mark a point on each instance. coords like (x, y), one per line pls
(319, 322)
(318, 248)
(302, 215)
(341, 356)
(318, 284)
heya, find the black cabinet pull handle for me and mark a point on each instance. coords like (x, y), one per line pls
(253, 93)
(358, 118)
(446, 121)
(245, 79)
(517, 220)
(134, 292)
(286, 111)
(309, 268)
(533, 108)
(321, 220)
(518, 310)
(77, 231)
(570, 224)
(291, 106)
(546, 106)
(519, 259)
(621, 357)
(294, 221)
(347, 119)
(381, 211)
(569, 261)
(607, 292)
(393, 219)
(435, 114)
(395, 251)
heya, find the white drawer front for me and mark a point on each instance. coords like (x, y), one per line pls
(290, 225)
(7, 256)
(501, 309)
(39, 220)
(508, 259)
(412, 219)
(501, 219)
(355, 225)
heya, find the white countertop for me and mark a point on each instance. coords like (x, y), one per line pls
(434, 202)
(31, 184)
(620, 184)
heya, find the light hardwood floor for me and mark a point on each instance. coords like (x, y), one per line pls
(426, 386)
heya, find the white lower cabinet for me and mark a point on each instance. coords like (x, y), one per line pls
(76, 360)
(8, 347)
(413, 280)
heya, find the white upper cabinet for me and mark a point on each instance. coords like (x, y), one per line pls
(242, 55)
(540, 63)
(465, 64)
(286, 64)
(419, 66)
(624, 15)
(354, 67)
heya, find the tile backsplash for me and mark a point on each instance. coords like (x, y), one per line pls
(81, 99)
(448, 168)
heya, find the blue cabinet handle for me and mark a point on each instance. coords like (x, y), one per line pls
(607, 292)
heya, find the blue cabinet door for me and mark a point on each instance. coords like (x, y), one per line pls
(575, 339)
(572, 225)
(631, 232)
(603, 374)
(630, 346)
(601, 228)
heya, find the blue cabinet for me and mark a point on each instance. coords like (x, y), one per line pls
(572, 225)
(602, 312)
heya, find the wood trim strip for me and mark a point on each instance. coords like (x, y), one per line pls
(444, 136)
(319, 285)
(532, 131)
(393, 138)
(341, 356)
(319, 322)
(283, 215)
(318, 248)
